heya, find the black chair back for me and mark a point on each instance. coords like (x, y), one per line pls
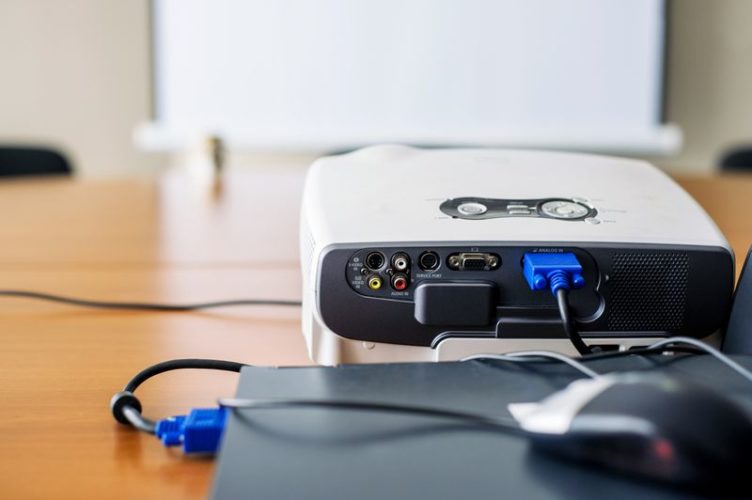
(22, 161)
(737, 159)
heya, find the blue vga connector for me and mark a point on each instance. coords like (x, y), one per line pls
(554, 271)
(198, 432)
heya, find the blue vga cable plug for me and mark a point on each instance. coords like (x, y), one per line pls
(554, 271)
(198, 432)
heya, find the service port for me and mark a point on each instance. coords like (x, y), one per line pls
(473, 261)
(399, 282)
(375, 261)
(374, 282)
(400, 261)
(428, 261)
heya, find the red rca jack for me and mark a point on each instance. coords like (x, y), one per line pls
(399, 282)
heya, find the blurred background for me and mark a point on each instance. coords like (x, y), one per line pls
(129, 88)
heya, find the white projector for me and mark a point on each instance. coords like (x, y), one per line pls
(416, 255)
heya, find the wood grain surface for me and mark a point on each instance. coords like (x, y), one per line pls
(173, 239)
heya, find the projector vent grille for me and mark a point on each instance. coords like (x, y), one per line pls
(648, 291)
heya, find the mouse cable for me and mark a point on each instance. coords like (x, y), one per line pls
(144, 306)
(568, 323)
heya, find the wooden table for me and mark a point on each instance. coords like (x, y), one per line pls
(172, 240)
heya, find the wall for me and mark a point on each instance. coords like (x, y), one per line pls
(710, 79)
(76, 73)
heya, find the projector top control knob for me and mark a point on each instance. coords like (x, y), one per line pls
(472, 208)
(562, 209)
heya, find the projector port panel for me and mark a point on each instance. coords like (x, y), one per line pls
(369, 292)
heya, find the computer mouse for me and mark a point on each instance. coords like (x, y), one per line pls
(647, 425)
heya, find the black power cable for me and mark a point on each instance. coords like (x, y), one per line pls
(144, 306)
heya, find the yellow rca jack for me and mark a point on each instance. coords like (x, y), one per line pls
(374, 282)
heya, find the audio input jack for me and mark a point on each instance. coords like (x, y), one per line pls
(399, 282)
(400, 261)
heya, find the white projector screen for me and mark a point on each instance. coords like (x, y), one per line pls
(334, 74)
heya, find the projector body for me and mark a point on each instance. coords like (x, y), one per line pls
(417, 255)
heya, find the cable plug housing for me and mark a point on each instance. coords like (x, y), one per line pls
(554, 271)
(198, 432)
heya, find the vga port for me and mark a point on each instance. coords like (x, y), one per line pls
(473, 261)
